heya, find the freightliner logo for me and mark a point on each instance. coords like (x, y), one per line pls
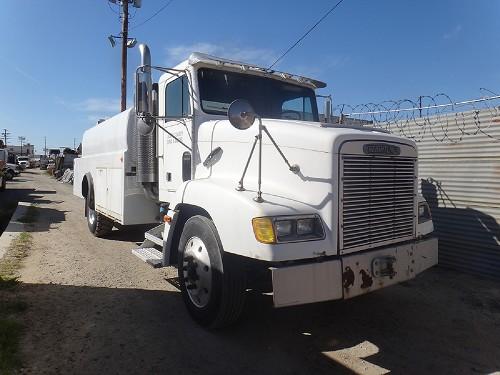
(381, 149)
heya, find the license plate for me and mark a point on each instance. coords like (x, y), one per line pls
(383, 266)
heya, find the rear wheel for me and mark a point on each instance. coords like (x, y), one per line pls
(9, 175)
(2, 183)
(212, 286)
(99, 225)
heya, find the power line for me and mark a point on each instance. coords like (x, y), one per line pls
(111, 8)
(306, 34)
(154, 15)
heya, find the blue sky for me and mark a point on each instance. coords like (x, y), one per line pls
(59, 73)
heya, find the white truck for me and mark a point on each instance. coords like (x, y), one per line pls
(251, 191)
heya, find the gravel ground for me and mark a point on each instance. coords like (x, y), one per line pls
(94, 308)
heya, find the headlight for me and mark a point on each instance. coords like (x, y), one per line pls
(305, 226)
(282, 229)
(424, 212)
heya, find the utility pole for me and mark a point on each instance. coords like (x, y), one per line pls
(21, 139)
(5, 134)
(126, 43)
(124, 54)
(45, 148)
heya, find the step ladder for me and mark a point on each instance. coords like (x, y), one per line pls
(150, 251)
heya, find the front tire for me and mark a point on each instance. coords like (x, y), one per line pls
(212, 285)
(99, 225)
(3, 182)
(9, 175)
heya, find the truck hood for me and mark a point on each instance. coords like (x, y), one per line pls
(314, 136)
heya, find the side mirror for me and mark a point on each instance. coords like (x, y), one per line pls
(144, 84)
(142, 93)
(241, 114)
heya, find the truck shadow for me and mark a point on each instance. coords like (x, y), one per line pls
(421, 327)
(131, 233)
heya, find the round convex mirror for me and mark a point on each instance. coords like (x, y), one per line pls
(241, 114)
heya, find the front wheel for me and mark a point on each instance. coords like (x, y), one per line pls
(212, 286)
(2, 183)
(9, 175)
(99, 225)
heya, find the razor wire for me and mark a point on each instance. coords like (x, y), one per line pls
(436, 116)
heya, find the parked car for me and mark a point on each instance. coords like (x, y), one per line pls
(23, 161)
(11, 171)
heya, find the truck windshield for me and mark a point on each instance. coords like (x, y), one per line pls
(269, 97)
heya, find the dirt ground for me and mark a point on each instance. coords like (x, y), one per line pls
(94, 308)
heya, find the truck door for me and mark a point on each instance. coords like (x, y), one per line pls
(174, 158)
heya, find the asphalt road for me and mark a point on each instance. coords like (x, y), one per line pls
(94, 308)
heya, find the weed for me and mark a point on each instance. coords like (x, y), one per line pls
(18, 249)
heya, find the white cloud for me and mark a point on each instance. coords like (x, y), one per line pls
(259, 56)
(453, 33)
(26, 75)
(101, 105)
(20, 71)
(93, 106)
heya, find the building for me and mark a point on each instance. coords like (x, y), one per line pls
(28, 149)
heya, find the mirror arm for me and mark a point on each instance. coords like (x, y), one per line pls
(259, 198)
(240, 183)
(294, 168)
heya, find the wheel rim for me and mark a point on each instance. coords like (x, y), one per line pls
(197, 272)
(91, 216)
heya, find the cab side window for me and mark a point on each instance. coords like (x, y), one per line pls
(177, 98)
(298, 107)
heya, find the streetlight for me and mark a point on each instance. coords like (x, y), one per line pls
(131, 42)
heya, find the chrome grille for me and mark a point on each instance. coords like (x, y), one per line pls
(377, 205)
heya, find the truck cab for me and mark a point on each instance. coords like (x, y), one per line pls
(23, 161)
(253, 191)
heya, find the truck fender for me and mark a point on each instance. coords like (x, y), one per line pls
(87, 187)
(214, 201)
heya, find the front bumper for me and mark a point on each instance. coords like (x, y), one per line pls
(352, 275)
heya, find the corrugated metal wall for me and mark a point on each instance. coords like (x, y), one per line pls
(459, 171)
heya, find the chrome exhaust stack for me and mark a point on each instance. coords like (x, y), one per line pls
(147, 163)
